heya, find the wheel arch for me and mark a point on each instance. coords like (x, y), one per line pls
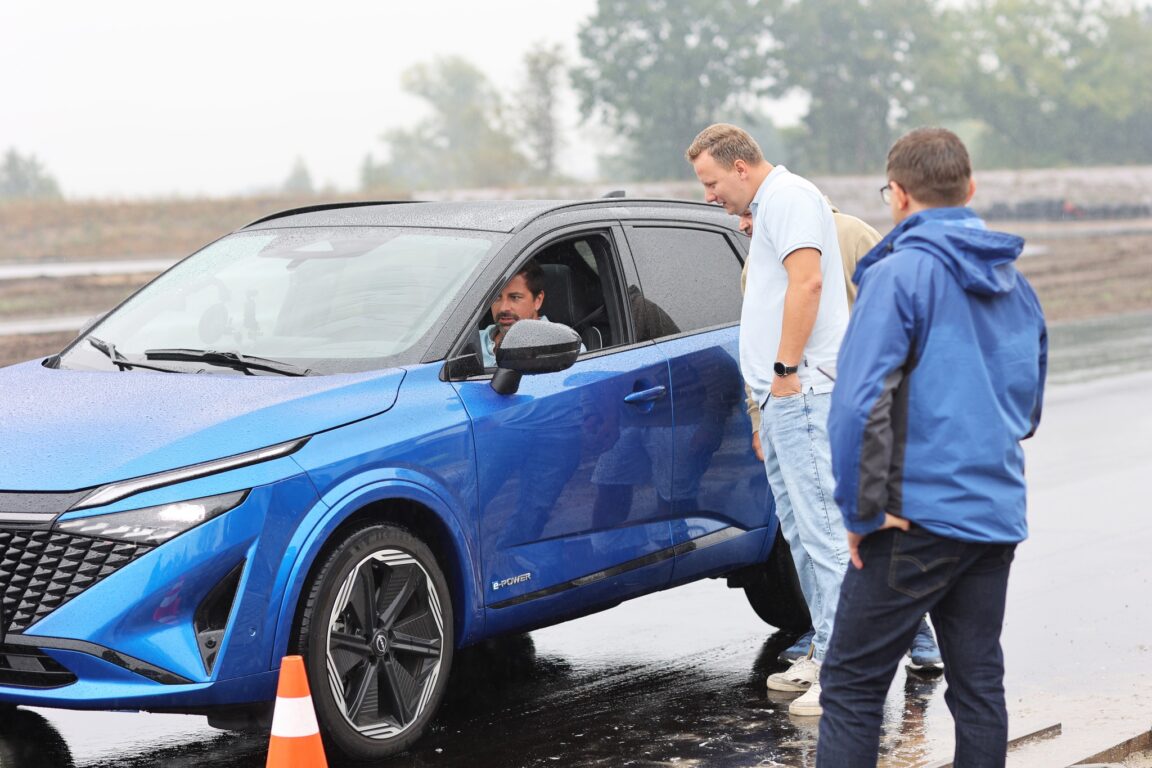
(773, 588)
(412, 507)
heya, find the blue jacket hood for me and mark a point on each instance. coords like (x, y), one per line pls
(979, 258)
(65, 430)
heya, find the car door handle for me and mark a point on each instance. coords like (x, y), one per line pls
(647, 395)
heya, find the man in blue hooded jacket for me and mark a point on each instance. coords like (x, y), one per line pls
(941, 375)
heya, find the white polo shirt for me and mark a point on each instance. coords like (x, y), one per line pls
(788, 213)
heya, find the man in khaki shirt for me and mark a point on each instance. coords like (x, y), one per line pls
(856, 238)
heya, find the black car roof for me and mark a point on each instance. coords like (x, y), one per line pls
(485, 215)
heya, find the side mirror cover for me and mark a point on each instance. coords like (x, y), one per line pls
(533, 346)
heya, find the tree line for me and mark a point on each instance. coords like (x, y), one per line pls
(1027, 83)
(24, 177)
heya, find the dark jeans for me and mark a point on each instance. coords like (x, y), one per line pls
(905, 575)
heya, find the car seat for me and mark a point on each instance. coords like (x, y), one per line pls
(562, 306)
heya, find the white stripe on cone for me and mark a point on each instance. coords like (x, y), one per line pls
(294, 718)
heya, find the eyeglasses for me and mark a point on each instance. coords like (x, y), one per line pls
(886, 194)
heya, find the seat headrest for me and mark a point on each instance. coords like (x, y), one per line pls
(559, 300)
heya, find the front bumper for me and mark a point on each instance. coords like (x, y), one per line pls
(92, 623)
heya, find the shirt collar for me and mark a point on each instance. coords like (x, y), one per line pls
(775, 174)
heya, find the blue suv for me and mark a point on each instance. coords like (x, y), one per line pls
(289, 443)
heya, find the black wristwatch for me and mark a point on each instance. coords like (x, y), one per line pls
(785, 370)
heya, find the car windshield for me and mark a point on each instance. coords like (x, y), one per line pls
(323, 300)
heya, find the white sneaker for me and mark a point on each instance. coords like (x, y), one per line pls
(803, 673)
(807, 705)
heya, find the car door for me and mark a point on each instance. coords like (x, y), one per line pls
(721, 508)
(570, 513)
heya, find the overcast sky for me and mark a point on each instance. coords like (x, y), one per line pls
(132, 98)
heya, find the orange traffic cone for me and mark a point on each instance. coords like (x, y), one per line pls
(295, 741)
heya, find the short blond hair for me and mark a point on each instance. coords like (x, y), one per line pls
(726, 143)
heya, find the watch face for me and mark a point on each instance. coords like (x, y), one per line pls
(779, 369)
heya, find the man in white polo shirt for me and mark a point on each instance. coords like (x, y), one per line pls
(790, 329)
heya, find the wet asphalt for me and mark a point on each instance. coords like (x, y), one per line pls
(677, 678)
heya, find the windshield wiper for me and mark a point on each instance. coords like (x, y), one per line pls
(121, 362)
(109, 350)
(246, 363)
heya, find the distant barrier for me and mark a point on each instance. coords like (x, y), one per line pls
(1060, 209)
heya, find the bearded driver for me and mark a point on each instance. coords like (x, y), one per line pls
(520, 299)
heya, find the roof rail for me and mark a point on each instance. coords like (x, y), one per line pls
(604, 201)
(634, 201)
(324, 207)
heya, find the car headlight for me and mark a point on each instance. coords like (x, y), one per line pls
(106, 494)
(154, 525)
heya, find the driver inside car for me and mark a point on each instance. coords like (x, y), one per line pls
(520, 299)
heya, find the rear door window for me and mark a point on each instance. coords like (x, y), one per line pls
(691, 276)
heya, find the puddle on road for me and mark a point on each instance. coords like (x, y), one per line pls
(607, 690)
(1105, 346)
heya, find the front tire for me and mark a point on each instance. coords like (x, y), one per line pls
(376, 636)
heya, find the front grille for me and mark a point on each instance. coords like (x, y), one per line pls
(31, 668)
(42, 570)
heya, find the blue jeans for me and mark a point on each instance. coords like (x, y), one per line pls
(798, 462)
(963, 586)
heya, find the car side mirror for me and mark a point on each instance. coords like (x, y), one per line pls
(533, 346)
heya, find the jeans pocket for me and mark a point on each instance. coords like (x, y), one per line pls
(1009, 554)
(921, 564)
(786, 403)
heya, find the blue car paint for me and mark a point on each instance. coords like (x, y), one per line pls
(420, 452)
(90, 428)
(142, 611)
(135, 609)
(722, 488)
(538, 453)
(401, 434)
(104, 685)
(374, 458)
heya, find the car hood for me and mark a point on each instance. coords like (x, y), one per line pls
(64, 430)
